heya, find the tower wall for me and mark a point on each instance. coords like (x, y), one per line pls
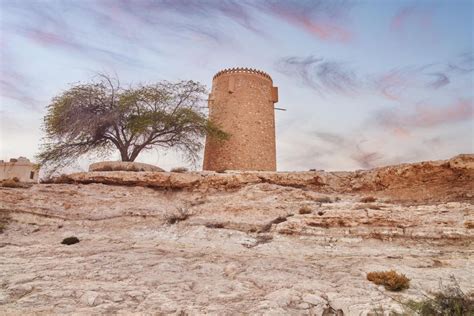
(242, 104)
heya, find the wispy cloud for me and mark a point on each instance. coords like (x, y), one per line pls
(322, 19)
(398, 84)
(367, 160)
(392, 83)
(350, 146)
(441, 80)
(125, 19)
(320, 74)
(463, 64)
(326, 76)
(14, 85)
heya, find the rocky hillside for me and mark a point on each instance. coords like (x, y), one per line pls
(235, 243)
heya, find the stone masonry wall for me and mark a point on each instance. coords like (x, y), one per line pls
(242, 104)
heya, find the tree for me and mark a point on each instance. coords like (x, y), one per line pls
(98, 117)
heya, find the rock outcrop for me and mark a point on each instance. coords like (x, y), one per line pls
(123, 166)
(235, 243)
(433, 181)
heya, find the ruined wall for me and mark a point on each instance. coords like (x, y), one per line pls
(242, 104)
(20, 168)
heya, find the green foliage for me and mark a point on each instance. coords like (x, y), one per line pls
(98, 117)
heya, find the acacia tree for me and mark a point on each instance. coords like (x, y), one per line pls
(98, 117)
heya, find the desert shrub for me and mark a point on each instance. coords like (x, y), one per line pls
(469, 224)
(323, 199)
(381, 311)
(179, 170)
(450, 300)
(180, 215)
(391, 280)
(305, 209)
(368, 199)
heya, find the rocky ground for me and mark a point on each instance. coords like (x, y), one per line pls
(235, 243)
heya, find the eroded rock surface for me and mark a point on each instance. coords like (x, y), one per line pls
(211, 243)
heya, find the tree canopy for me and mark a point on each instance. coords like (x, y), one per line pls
(101, 116)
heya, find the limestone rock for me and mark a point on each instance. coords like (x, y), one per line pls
(133, 260)
(123, 166)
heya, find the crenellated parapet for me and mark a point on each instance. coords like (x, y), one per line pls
(242, 70)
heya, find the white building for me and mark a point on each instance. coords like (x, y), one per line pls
(21, 168)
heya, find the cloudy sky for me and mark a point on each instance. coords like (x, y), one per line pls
(365, 83)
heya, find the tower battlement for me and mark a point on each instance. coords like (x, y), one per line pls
(242, 70)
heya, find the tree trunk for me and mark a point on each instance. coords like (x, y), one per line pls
(124, 154)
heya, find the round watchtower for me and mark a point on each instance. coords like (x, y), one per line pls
(242, 104)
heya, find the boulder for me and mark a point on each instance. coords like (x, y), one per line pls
(123, 166)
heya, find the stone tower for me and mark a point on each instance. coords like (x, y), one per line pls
(242, 104)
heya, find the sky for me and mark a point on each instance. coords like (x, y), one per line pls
(364, 83)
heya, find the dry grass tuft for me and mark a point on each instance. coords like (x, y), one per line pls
(391, 280)
(180, 215)
(450, 300)
(469, 224)
(305, 209)
(368, 199)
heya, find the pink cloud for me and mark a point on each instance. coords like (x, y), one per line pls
(321, 22)
(323, 30)
(426, 116)
(415, 15)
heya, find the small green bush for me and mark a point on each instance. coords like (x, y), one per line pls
(391, 280)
